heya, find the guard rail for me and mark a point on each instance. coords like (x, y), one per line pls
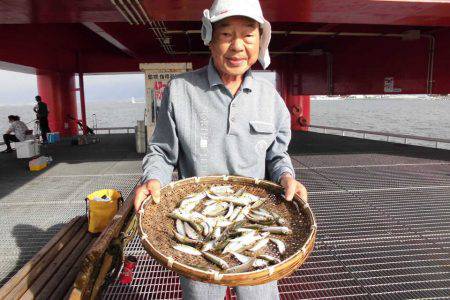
(389, 136)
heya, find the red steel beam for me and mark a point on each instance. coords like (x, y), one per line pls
(109, 38)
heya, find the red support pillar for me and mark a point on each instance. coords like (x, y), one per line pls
(298, 105)
(81, 90)
(58, 92)
(82, 102)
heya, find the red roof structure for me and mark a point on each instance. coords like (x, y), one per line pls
(319, 47)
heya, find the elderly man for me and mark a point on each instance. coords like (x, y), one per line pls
(220, 119)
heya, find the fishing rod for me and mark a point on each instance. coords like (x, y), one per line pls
(89, 130)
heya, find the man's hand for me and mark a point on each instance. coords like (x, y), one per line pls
(292, 186)
(151, 187)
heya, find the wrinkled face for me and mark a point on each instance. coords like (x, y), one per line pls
(235, 45)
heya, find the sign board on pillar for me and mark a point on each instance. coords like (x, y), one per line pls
(157, 75)
(389, 86)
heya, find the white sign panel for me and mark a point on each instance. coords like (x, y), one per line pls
(389, 86)
(157, 75)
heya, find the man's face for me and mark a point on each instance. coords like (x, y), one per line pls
(235, 45)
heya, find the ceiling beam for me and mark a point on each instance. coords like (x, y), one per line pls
(109, 38)
(305, 39)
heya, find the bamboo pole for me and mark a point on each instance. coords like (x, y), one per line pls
(64, 287)
(85, 281)
(107, 262)
(70, 262)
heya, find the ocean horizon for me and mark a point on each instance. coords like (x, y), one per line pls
(410, 116)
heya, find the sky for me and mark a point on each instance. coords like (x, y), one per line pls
(17, 88)
(20, 88)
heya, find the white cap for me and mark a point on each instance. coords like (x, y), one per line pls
(222, 9)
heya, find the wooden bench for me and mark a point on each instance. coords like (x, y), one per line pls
(74, 263)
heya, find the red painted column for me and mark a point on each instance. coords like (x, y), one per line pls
(298, 105)
(82, 102)
(58, 92)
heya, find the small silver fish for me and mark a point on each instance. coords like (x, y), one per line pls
(241, 201)
(277, 230)
(258, 202)
(197, 227)
(242, 243)
(280, 221)
(240, 192)
(254, 226)
(280, 245)
(215, 210)
(216, 260)
(235, 213)
(184, 239)
(206, 228)
(260, 219)
(187, 249)
(222, 190)
(261, 212)
(216, 232)
(270, 259)
(222, 222)
(252, 198)
(210, 202)
(188, 204)
(208, 246)
(244, 230)
(180, 227)
(190, 232)
(241, 268)
(187, 216)
(260, 244)
(230, 211)
(260, 263)
(243, 213)
(240, 257)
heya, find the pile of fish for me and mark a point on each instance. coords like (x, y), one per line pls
(220, 221)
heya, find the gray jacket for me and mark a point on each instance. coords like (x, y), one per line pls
(203, 130)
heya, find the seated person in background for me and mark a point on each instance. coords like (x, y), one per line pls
(19, 129)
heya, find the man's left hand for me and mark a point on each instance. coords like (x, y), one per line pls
(292, 186)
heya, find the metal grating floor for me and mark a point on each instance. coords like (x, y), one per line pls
(35, 205)
(383, 213)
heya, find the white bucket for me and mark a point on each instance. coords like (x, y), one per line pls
(27, 149)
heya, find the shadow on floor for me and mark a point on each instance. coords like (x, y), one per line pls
(113, 148)
(327, 144)
(29, 238)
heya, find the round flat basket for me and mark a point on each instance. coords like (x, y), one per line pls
(157, 229)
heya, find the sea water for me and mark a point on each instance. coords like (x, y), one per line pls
(421, 117)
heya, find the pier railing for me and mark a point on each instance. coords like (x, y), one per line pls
(387, 136)
(109, 130)
(112, 130)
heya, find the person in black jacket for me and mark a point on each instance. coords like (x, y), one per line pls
(41, 111)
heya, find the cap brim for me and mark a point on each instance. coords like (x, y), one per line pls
(235, 14)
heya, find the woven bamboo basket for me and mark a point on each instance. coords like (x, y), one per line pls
(155, 227)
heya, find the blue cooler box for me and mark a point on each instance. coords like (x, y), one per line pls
(53, 137)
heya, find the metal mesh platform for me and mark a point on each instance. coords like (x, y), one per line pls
(383, 213)
(35, 205)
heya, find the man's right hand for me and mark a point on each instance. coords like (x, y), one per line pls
(151, 187)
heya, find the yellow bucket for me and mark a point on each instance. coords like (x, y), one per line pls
(34, 168)
(101, 206)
